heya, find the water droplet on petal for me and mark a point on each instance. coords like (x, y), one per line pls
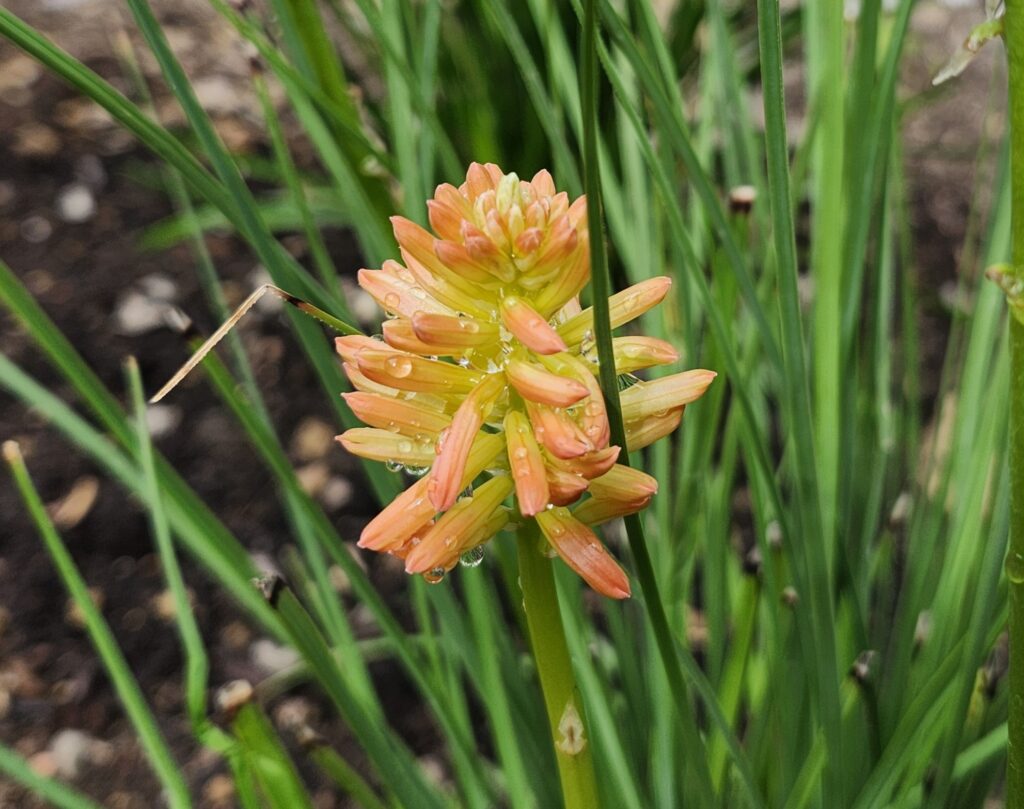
(521, 452)
(399, 366)
(393, 466)
(435, 576)
(391, 301)
(473, 557)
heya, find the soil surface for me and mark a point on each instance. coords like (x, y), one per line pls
(76, 195)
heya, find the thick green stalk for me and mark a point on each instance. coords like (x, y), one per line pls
(1014, 33)
(569, 730)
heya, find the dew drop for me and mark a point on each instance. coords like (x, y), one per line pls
(393, 466)
(435, 576)
(550, 552)
(392, 427)
(378, 337)
(521, 453)
(417, 471)
(417, 292)
(473, 557)
(405, 447)
(391, 301)
(592, 408)
(399, 367)
(441, 439)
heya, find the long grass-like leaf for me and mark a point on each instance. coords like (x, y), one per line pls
(125, 684)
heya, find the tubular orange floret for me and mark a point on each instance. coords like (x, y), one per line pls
(581, 550)
(625, 484)
(411, 372)
(622, 307)
(644, 432)
(538, 385)
(526, 463)
(406, 416)
(559, 434)
(383, 445)
(565, 487)
(447, 537)
(465, 332)
(349, 346)
(529, 327)
(454, 444)
(590, 465)
(400, 334)
(634, 353)
(665, 393)
(396, 295)
(597, 510)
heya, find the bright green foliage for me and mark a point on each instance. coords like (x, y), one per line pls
(821, 581)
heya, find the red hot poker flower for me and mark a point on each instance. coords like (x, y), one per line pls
(486, 368)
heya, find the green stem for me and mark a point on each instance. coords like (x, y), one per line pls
(1014, 34)
(696, 763)
(562, 700)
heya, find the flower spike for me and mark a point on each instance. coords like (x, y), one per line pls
(486, 376)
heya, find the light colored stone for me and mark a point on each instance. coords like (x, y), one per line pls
(137, 313)
(272, 657)
(312, 440)
(337, 493)
(162, 419)
(70, 751)
(218, 791)
(75, 506)
(36, 229)
(313, 477)
(34, 139)
(76, 204)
